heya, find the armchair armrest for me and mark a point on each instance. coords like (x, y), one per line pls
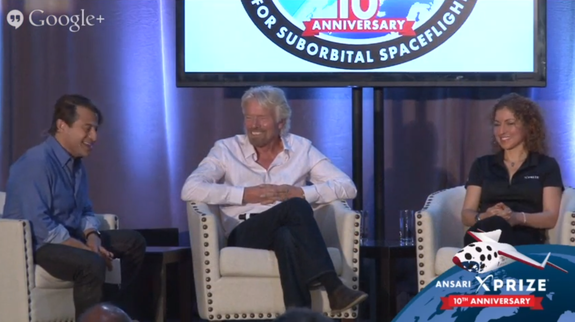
(340, 228)
(438, 225)
(563, 233)
(206, 239)
(108, 221)
(17, 267)
(563, 229)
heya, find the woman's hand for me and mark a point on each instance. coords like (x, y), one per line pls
(505, 212)
(500, 210)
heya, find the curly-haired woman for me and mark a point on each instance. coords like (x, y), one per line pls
(518, 188)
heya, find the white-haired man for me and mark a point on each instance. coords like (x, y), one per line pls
(264, 173)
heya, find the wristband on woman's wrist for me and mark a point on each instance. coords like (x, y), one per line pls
(524, 218)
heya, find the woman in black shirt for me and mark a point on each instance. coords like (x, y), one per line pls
(518, 189)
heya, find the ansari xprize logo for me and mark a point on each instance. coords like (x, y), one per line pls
(358, 34)
(487, 255)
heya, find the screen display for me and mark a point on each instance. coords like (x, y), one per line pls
(323, 37)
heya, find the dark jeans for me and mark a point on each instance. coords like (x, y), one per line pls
(290, 230)
(515, 236)
(88, 270)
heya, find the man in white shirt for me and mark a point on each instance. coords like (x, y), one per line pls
(259, 181)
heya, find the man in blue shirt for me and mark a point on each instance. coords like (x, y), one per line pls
(48, 186)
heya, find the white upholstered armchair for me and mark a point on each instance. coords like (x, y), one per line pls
(28, 292)
(439, 230)
(234, 283)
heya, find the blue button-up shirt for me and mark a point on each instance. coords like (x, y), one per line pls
(50, 189)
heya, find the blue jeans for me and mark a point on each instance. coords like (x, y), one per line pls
(88, 270)
(290, 230)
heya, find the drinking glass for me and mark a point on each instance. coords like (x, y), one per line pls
(406, 227)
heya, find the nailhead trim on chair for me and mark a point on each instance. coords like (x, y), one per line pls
(355, 261)
(27, 276)
(420, 232)
(572, 239)
(206, 254)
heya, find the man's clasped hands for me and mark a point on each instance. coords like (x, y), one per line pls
(94, 243)
(267, 194)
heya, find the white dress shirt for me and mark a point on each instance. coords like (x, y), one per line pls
(231, 166)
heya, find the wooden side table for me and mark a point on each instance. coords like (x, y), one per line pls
(386, 254)
(159, 258)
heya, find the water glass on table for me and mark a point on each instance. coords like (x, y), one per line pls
(406, 227)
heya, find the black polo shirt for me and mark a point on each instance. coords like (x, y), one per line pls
(524, 192)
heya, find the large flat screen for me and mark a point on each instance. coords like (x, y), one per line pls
(361, 42)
